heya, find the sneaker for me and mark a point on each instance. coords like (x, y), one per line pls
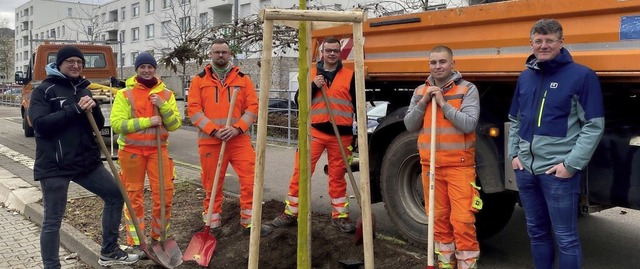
(264, 230)
(117, 257)
(284, 220)
(137, 250)
(344, 224)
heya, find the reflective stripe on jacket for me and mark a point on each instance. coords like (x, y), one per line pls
(339, 98)
(209, 101)
(131, 113)
(453, 147)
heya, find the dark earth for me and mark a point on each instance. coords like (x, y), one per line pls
(277, 250)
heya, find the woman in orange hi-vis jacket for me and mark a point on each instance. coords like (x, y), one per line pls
(456, 194)
(340, 89)
(134, 118)
(208, 107)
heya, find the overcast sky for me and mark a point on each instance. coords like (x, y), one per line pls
(8, 8)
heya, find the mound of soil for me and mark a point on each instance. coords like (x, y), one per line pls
(330, 248)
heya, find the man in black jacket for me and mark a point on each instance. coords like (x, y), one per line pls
(66, 151)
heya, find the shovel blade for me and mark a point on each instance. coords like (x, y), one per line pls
(200, 248)
(358, 235)
(168, 253)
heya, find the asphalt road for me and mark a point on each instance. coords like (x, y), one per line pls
(609, 238)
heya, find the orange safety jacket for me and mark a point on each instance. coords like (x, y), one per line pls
(453, 147)
(339, 98)
(134, 137)
(209, 101)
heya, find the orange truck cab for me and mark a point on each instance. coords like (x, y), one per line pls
(99, 68)
(491, 44)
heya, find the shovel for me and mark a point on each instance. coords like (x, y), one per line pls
(358, 234)
(167, 250)
(123, 192)
(432, 184)
(202, 244)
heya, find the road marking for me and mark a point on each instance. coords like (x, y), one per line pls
(17, 156)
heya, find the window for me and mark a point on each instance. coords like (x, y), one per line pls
(122, 13)
(63, 32)
(36, 37)
(150, 5)
(166, 4)
(53, 33)
(134, 55)
(135, 34)
(135, 10)
(185, 24)
(89, 30)
(166, 28)
(69, 12)
(202, 20)
(185, 2)
(121, 36)
(150, 31)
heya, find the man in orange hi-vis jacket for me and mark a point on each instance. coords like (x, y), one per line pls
(456, 194)
(209, 103)
(340, 88)
(134, 117)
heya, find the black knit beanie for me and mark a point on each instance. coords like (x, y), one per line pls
(66, 52)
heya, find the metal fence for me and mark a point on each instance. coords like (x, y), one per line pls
(9, 100)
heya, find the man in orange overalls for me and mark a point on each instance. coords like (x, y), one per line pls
(456, 193)
(134, 117)
(208, 107)
(339, 85)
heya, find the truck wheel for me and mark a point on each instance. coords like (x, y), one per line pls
(401, 187)
(28, 130)
(402, 192)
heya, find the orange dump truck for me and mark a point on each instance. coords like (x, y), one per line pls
(491, 43)
(99, 68)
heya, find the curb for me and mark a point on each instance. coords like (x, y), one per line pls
(19, 195)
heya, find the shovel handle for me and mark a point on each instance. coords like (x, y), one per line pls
(163, 212)
(432, 181)
(116, 175)
(223, 147)
(340, 145)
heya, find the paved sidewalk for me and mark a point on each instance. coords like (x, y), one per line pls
(19, 236)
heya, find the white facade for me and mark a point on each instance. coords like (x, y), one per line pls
(148, 25)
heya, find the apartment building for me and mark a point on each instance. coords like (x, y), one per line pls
(157, 26)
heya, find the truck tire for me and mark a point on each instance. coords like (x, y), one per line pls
(403, 196)
(28, 130)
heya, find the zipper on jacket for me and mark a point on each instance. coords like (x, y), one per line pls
(532, 122)
(229, 94)
(217, 94)
(544, 97)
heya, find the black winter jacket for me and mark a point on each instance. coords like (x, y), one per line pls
(65, 144)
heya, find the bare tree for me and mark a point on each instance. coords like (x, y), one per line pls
(6, 50)
(180, 24)
(90, 22)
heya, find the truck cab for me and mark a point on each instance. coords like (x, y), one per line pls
(99, 67)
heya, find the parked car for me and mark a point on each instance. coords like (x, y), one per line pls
(374, 113)
(282, 106)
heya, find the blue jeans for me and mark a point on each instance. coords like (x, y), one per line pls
(54, 199)
(551, 206)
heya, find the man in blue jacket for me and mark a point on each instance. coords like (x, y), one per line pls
(557, 121)
(66, 151)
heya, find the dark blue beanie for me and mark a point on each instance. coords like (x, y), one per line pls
(145, 58)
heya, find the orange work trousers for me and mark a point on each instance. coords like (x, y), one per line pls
(337, 184)
(133, 167)
(454, 219)
(240, 153)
